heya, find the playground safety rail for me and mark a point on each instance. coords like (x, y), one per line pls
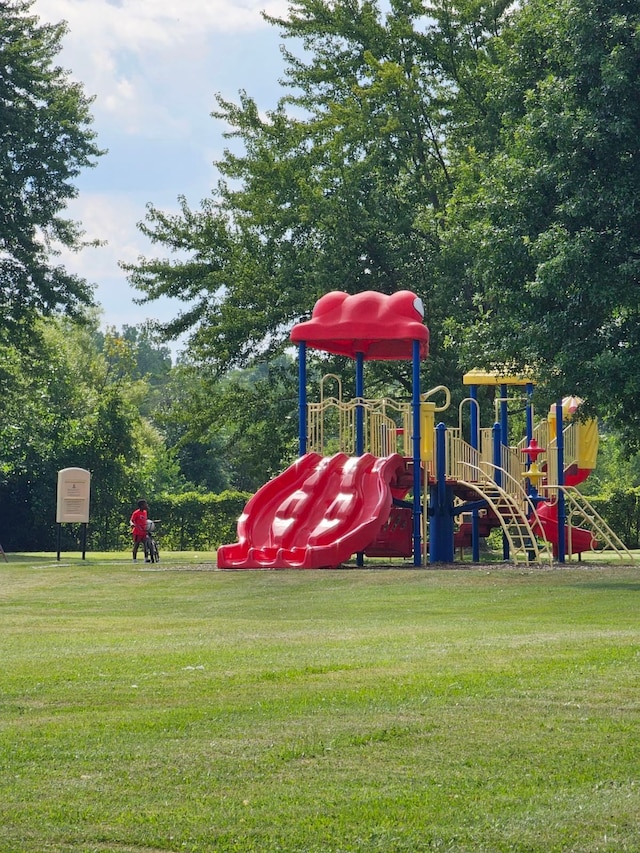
(386, 425)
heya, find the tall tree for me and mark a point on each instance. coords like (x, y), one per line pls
(343, 186)
(64, 405)
(45, 141)
(550, 223)
(236, 432)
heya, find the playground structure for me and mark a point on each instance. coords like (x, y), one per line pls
(378, 478)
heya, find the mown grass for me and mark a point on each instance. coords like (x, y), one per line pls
(183, 709)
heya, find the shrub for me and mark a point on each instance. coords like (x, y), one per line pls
(194, 521)
(620, 508)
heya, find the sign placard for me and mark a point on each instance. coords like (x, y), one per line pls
(74, 488)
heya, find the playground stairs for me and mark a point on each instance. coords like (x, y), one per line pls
(505, 510)
(581, 513)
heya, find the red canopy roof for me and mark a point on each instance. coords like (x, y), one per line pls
(380, 327)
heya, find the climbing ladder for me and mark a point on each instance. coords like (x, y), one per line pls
(512, 520)
(581, 513)
(504, 493)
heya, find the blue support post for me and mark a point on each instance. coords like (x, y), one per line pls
(359, 423)
(417, 473)
(475, 443)
(359, 408)
(504, 415)
(497, 461)
(529, 413)
(302, 398)
(562, 518)
(531, 488)
(441, 518)
(504, 440)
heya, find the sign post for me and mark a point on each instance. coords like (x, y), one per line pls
(74, 489)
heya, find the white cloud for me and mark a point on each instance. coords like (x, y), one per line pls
(154, 67)
(143, 23)
(127, 51)
(111, 218)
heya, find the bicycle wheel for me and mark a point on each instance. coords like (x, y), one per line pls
(153, 551)
(148, 549)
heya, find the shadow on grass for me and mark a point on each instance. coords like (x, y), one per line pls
(172, 559)
(626, 586)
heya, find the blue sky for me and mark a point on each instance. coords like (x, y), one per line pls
(154, 67)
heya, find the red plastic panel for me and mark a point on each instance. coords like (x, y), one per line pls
(396, 535)
(379, 326)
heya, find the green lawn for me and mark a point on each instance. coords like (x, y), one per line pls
(177, 708)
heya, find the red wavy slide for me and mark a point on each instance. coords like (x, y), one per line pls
(581, 539)
(314, 515)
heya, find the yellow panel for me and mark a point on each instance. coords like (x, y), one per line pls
(588, 444)
(483, 377)
(427, 430)
(587, 438)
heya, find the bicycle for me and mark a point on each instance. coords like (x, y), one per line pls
(151, 552)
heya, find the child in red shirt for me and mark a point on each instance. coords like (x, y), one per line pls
(138, 523)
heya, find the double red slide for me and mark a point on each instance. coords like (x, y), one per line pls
(316, 514)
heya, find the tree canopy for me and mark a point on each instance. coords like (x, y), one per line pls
(73, 396)
(483, 154)
(45, 141)
(552, 226)
(343, 186)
